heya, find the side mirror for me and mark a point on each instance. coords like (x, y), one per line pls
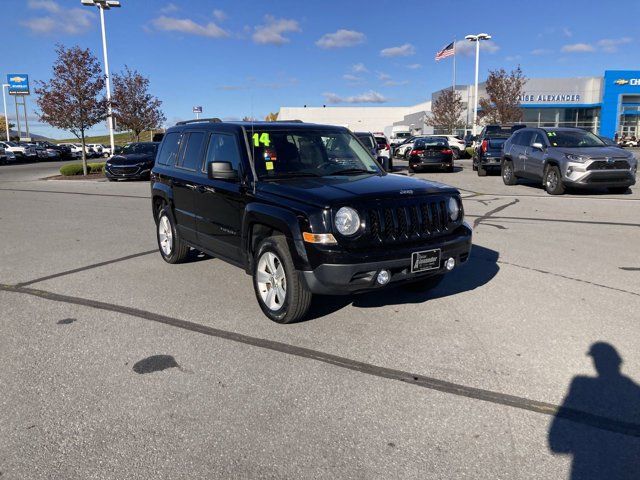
(537, 146)
(221, 171)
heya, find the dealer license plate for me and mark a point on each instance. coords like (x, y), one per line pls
(424, 261)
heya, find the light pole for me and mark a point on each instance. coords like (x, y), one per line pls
(476, 38)
(4, 101)
(102, 6)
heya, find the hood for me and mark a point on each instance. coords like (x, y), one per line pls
(130, 159)
(328, 191)
(594, 151)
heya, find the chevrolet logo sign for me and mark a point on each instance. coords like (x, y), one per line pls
(17, 79)
(621, 81)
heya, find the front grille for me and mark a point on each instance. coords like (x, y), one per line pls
(118, 170)
(411, 221)
(604, 165)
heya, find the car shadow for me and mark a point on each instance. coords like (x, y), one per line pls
(598, 424)
(479, 270)
(572, 190)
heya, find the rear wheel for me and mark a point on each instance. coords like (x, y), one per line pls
(508, 176)
(281, 294)
(553, 181)
(172, 248)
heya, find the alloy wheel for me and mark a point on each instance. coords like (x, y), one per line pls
(165, 235)
(272, 281)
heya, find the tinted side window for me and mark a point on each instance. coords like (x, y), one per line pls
(191, 157)
(223, 148)
(524, 138)
(169, 151)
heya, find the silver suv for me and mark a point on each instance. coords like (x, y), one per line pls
(561, 157)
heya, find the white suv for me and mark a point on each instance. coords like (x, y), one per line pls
(19, 150)
(456, 144)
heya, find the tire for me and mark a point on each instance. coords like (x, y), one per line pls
(449, 169)
(552, 181)
(411, 169)
(618, 190)
(474, 166)
(508, 175)
(481, 171)
(290, 300)
(172, 248)
(425, 283)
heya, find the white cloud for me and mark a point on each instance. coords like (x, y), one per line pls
(402, 51)
(185, 25)
(541, 51)
(352, 78)
(610, 45)
(578, 48)
(219, 15)
(273, 29)
(341, 38)
(57, 19)
(367, 97)
(359, 68)
(395, 83)
(414, 66)
(467, 48)
(169, 8)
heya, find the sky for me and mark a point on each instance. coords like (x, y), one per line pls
(247, 58)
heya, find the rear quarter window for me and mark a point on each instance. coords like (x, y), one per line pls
(169, 149)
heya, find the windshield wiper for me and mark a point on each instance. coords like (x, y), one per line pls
(351, 170)
(290, 175)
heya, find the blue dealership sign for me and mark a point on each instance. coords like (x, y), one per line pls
(18, 83)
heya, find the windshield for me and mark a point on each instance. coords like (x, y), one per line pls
(403, 135)
(140, 148)
(309, 153)
(573, 139)
(496, 142)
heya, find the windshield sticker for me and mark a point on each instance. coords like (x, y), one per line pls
(270, 155)
(261, 139)
(551, 134)
(268, 165)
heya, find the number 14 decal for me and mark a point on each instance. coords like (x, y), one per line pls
(261, 139)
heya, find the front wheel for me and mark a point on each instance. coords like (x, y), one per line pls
(281, 294)
(553, 181)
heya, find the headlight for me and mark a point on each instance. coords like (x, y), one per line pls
(347, 221)
(576, 158)
(454, 209)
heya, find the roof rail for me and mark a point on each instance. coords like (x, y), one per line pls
(199, 120)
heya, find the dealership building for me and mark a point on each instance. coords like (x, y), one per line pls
(606, 105)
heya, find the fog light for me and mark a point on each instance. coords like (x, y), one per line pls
(450, 263)
(383, 277)
(569, 170)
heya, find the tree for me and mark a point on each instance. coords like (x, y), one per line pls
(73, 99)
(3, 126)
(504, 91)
(446, 111)
(134, 108)
(272, 117)
(247, 118)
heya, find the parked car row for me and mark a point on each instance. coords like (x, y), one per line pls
(92, 150)
(558, 158)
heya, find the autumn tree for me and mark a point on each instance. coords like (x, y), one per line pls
(3, 126)
(73, 99)
(134, 108)
(504, 90)
(446, 111)
(271, 117)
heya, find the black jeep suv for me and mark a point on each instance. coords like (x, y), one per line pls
(305, 209)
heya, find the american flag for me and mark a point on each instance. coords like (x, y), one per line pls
(446, 51)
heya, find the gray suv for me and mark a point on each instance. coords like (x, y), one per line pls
(561, 157)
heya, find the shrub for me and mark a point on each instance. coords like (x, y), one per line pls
(76, 168)
(71, 169)
(97, 167)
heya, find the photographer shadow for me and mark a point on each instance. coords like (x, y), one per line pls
(598, 423)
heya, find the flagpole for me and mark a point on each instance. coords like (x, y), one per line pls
(453, 88)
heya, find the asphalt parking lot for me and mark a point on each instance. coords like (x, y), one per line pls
(118, 365)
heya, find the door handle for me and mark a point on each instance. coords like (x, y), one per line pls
(190, 186)
(205, 189)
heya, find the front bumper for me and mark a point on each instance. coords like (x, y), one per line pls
(599, 178)
(345, 279)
